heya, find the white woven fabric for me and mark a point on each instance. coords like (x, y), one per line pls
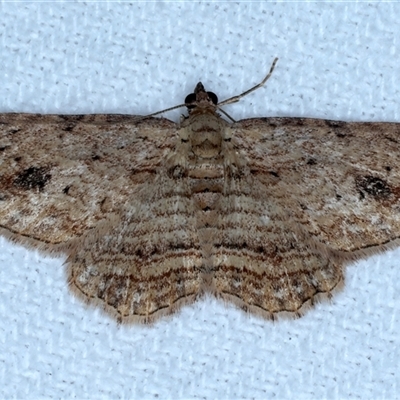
(336, 60)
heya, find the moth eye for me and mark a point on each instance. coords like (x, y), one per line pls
(213, 97)
(190, 98)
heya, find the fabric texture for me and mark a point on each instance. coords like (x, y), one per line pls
(336, 61)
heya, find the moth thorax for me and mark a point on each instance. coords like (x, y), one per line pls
(207, 148)
(206, 143)
(205, 135)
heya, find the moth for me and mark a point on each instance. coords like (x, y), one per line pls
(151, 215)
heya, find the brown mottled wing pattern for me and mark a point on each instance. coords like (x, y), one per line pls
(61, 175)
(264, 213)
(92, 187)
(144, 262)
(314, 195)
(340, 180)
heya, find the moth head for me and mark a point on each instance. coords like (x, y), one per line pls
(200, 96)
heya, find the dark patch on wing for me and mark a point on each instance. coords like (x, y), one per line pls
(391, 139)
(68, 127)
(339, 128)
(373, 186)
(177, 172)
(73, 117)
(311, 161)
(33, 178)
(335, 124)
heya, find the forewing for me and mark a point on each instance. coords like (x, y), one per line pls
(62, 175)
(339, 180)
